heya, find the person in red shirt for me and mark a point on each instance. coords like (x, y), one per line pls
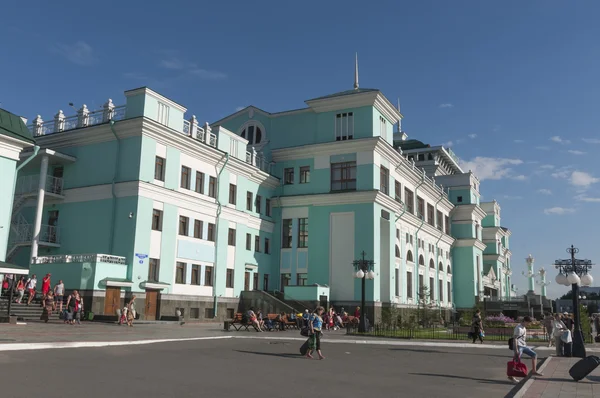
(46, 284)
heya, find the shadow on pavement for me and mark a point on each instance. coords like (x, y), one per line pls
(291, 356)
(486, 381)
(425, 351)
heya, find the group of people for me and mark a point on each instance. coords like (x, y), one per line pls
(559, 330)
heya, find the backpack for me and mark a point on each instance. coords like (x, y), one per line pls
(511, 344)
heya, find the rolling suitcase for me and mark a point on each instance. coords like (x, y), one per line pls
(584, 367)
(304, 348)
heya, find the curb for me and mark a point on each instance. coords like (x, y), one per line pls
(520, 389)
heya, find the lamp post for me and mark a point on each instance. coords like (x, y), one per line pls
(364, 271)
(575, 272)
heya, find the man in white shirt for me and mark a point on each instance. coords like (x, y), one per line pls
(520, 345)
(31, 283)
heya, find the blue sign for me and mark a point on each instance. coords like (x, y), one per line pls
(141, 257)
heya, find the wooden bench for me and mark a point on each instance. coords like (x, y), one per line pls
(350, 320)
(238, 322)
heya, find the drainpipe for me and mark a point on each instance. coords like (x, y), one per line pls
(113, 189)
(219, 208)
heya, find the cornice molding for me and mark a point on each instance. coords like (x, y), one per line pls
(326, 199)
(470, 242)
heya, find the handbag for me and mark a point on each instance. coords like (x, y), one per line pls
(305, 331)
(516, 368)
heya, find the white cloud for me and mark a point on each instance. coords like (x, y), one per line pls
(559, 140)
(543, 148)
(490, 168)
(472, 136)
(583, 179)
(545, 191)
(520, 177)
(546, 167)
(574, 152)
(559, 211)
(584, 198)
(518, 141)
(446, 105)
(591, 140)
(79, 53)
(191, 69)
(208, 74)
(509, 197)
(448, 144)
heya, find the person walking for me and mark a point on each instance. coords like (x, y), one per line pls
(74, 308)
(559, 329)
(49, 306)
(549, 326)
(131, 311)
(46, 283)
(59, 291)
(477, 327)
(315, 324)
(520, 347)
(20, 289)
(31, 284)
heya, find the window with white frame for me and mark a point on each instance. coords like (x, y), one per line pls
(382, 127)
(344, 126)
(163, 114)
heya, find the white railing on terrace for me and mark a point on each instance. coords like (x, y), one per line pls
(204, 134)
(258, 161)
(81, 258)
(30, 184)
(83, 118)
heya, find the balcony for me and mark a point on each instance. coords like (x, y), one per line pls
(23, 234)
(29, 185)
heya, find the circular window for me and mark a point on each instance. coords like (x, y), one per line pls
(253, 133)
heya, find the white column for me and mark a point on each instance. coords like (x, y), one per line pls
(37, 227)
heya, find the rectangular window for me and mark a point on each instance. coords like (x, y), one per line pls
(212, 187)
(153, 269)
(180, 273)
(344, 126)
(288, 175)
(420, 287)
(384, 180)
(157, 220)
(229, 278)
(232, 193)
(266, 282)
(159, 168)
(407, 237)
(440, 221)
(255, 281)
(194, 313)
(343, 176)
(257, 243)
(447, 225)
(267, 246)
(268, 207)
(257, 203)
(397, 191)
(382, 128)
(163, 114)
(431, 290)
(409, 200)
(198, 227)
(420, 208)
(208, 275)
(303, 232)
(449, 293)
(286, 241)
(304, 174)
(231, 237)
(409, 285)
(249, 201)
(199, 182)
(183, 225)
(397, 280)
(301, 279)
(186, 173)
(211, 232)
(195, 274)
(441, 290)
(430, 215)
(248, 241)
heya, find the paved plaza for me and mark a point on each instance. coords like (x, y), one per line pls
(254, 368)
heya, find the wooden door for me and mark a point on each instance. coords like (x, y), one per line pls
(112, 300)
(247, 280)
(151, 305)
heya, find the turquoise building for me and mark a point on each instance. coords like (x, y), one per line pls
(142, 199)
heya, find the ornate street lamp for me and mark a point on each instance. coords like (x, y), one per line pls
(364, 271)
(574, 272)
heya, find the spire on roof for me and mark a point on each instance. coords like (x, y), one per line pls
(356, 72)
(400, 119)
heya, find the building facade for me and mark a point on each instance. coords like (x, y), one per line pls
(143, 200)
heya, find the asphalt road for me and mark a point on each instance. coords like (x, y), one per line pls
(253, 368)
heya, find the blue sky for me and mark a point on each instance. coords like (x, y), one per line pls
(511, 85)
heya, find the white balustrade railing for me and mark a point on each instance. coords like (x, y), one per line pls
(186, 127)
(31, 183)
(81, 258)
(84, 118)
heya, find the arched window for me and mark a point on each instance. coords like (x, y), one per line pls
(449, 270)
(409, 256)
(431, 264)
(441, 267)
(397, 252)
(253, 133)
(421, 260)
